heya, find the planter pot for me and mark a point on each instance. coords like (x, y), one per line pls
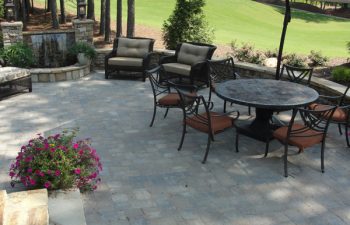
(83, 60)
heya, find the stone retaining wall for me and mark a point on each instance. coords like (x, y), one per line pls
(73, 72)
(249, 70)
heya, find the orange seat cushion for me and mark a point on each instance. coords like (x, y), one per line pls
(305, 139)
(172, 99)
(339, 114)
(218, 123)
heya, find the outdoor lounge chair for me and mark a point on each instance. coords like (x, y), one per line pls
(162, 94)
(14, 80)
(189, 62)
(341, 114)
(313, 131)
(196, 114)
(129, 54)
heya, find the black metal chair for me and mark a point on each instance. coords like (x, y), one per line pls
(196, 114)
(189, 62)
(129, 54)
(341, 114)
(220, 71)
(297, 75)
(162, 95)
(313, 131)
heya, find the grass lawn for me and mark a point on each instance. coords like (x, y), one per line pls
(249, 21)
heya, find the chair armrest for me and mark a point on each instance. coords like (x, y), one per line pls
(198, 65)
(111, 54)
(324, 99)
(187, 87)
(167, 59)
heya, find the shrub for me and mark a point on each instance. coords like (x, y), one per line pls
(316, 59)
(271, 53)
(348, 45)
(247, 53)
(18, 55)
(341, 74)
(187, 23)
(294, 60)
(83, 47)
(57, 162)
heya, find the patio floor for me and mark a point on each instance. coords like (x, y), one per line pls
(147, 181)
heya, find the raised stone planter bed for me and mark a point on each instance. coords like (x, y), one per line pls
(73, 72)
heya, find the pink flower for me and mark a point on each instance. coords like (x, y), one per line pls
(76, 146)
(48, 172)
(12, 174)
(39, 173)
(57, 173)
(94, 175)
(28, 159)
(29, 170)
(32, 182)
(52, 149)
(77, 171)
(47, 184)
(81, 152)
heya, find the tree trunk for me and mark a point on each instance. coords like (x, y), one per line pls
(91, 10)
(108, 21)
(131, 19)
(24, 14)
(119, 19)
(103, 17)
(63, 13)
(53, 5)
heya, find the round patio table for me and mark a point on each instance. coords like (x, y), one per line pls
(266, 96)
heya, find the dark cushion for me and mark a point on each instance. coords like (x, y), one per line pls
(128, 47)
(304, 140)
(190, 54)
(218, 122)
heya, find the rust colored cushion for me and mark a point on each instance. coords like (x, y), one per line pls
(171, 99)
(304, 140)
(218, 123)
(339, 114)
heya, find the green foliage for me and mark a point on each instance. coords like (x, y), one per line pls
(271, 53)
(317, 59)
(341, 74)
(247, 53)
(294, 60)
(1, 8)
(348, 45)
(83, 47)
(18, 55)
(187, 23)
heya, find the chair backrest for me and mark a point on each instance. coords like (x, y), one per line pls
(298, 75)
(158, 88)
(222, 70)
(317, 120)
(342, 99)
(135, 47)
(194, 107)
(190, 53)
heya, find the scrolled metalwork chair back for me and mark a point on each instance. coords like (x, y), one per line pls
(298, 75)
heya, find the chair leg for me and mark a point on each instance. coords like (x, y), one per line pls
(249, 111)
(267, 148)
(166, 112)
(237, 135)
(347, 135)
(285, 160)
(210, 137)
(143, 76)
(183, 136)
(154, 115)
(225, 106)
(340, 130)
(322, 157)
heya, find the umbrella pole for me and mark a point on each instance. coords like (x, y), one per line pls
(287, 18)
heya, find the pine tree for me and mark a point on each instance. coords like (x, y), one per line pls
(187, 23)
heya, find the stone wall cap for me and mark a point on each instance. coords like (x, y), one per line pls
(48, 32)
(84, 21)
(12, 24)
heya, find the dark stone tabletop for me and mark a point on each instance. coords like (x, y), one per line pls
(266, 93)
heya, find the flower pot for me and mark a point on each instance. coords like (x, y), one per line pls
(83, 60)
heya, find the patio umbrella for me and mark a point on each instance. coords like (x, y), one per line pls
(287, 18)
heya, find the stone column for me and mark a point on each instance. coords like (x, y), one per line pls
(84, 30)
(11, 33)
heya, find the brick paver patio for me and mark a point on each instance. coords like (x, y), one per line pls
(147, 181)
